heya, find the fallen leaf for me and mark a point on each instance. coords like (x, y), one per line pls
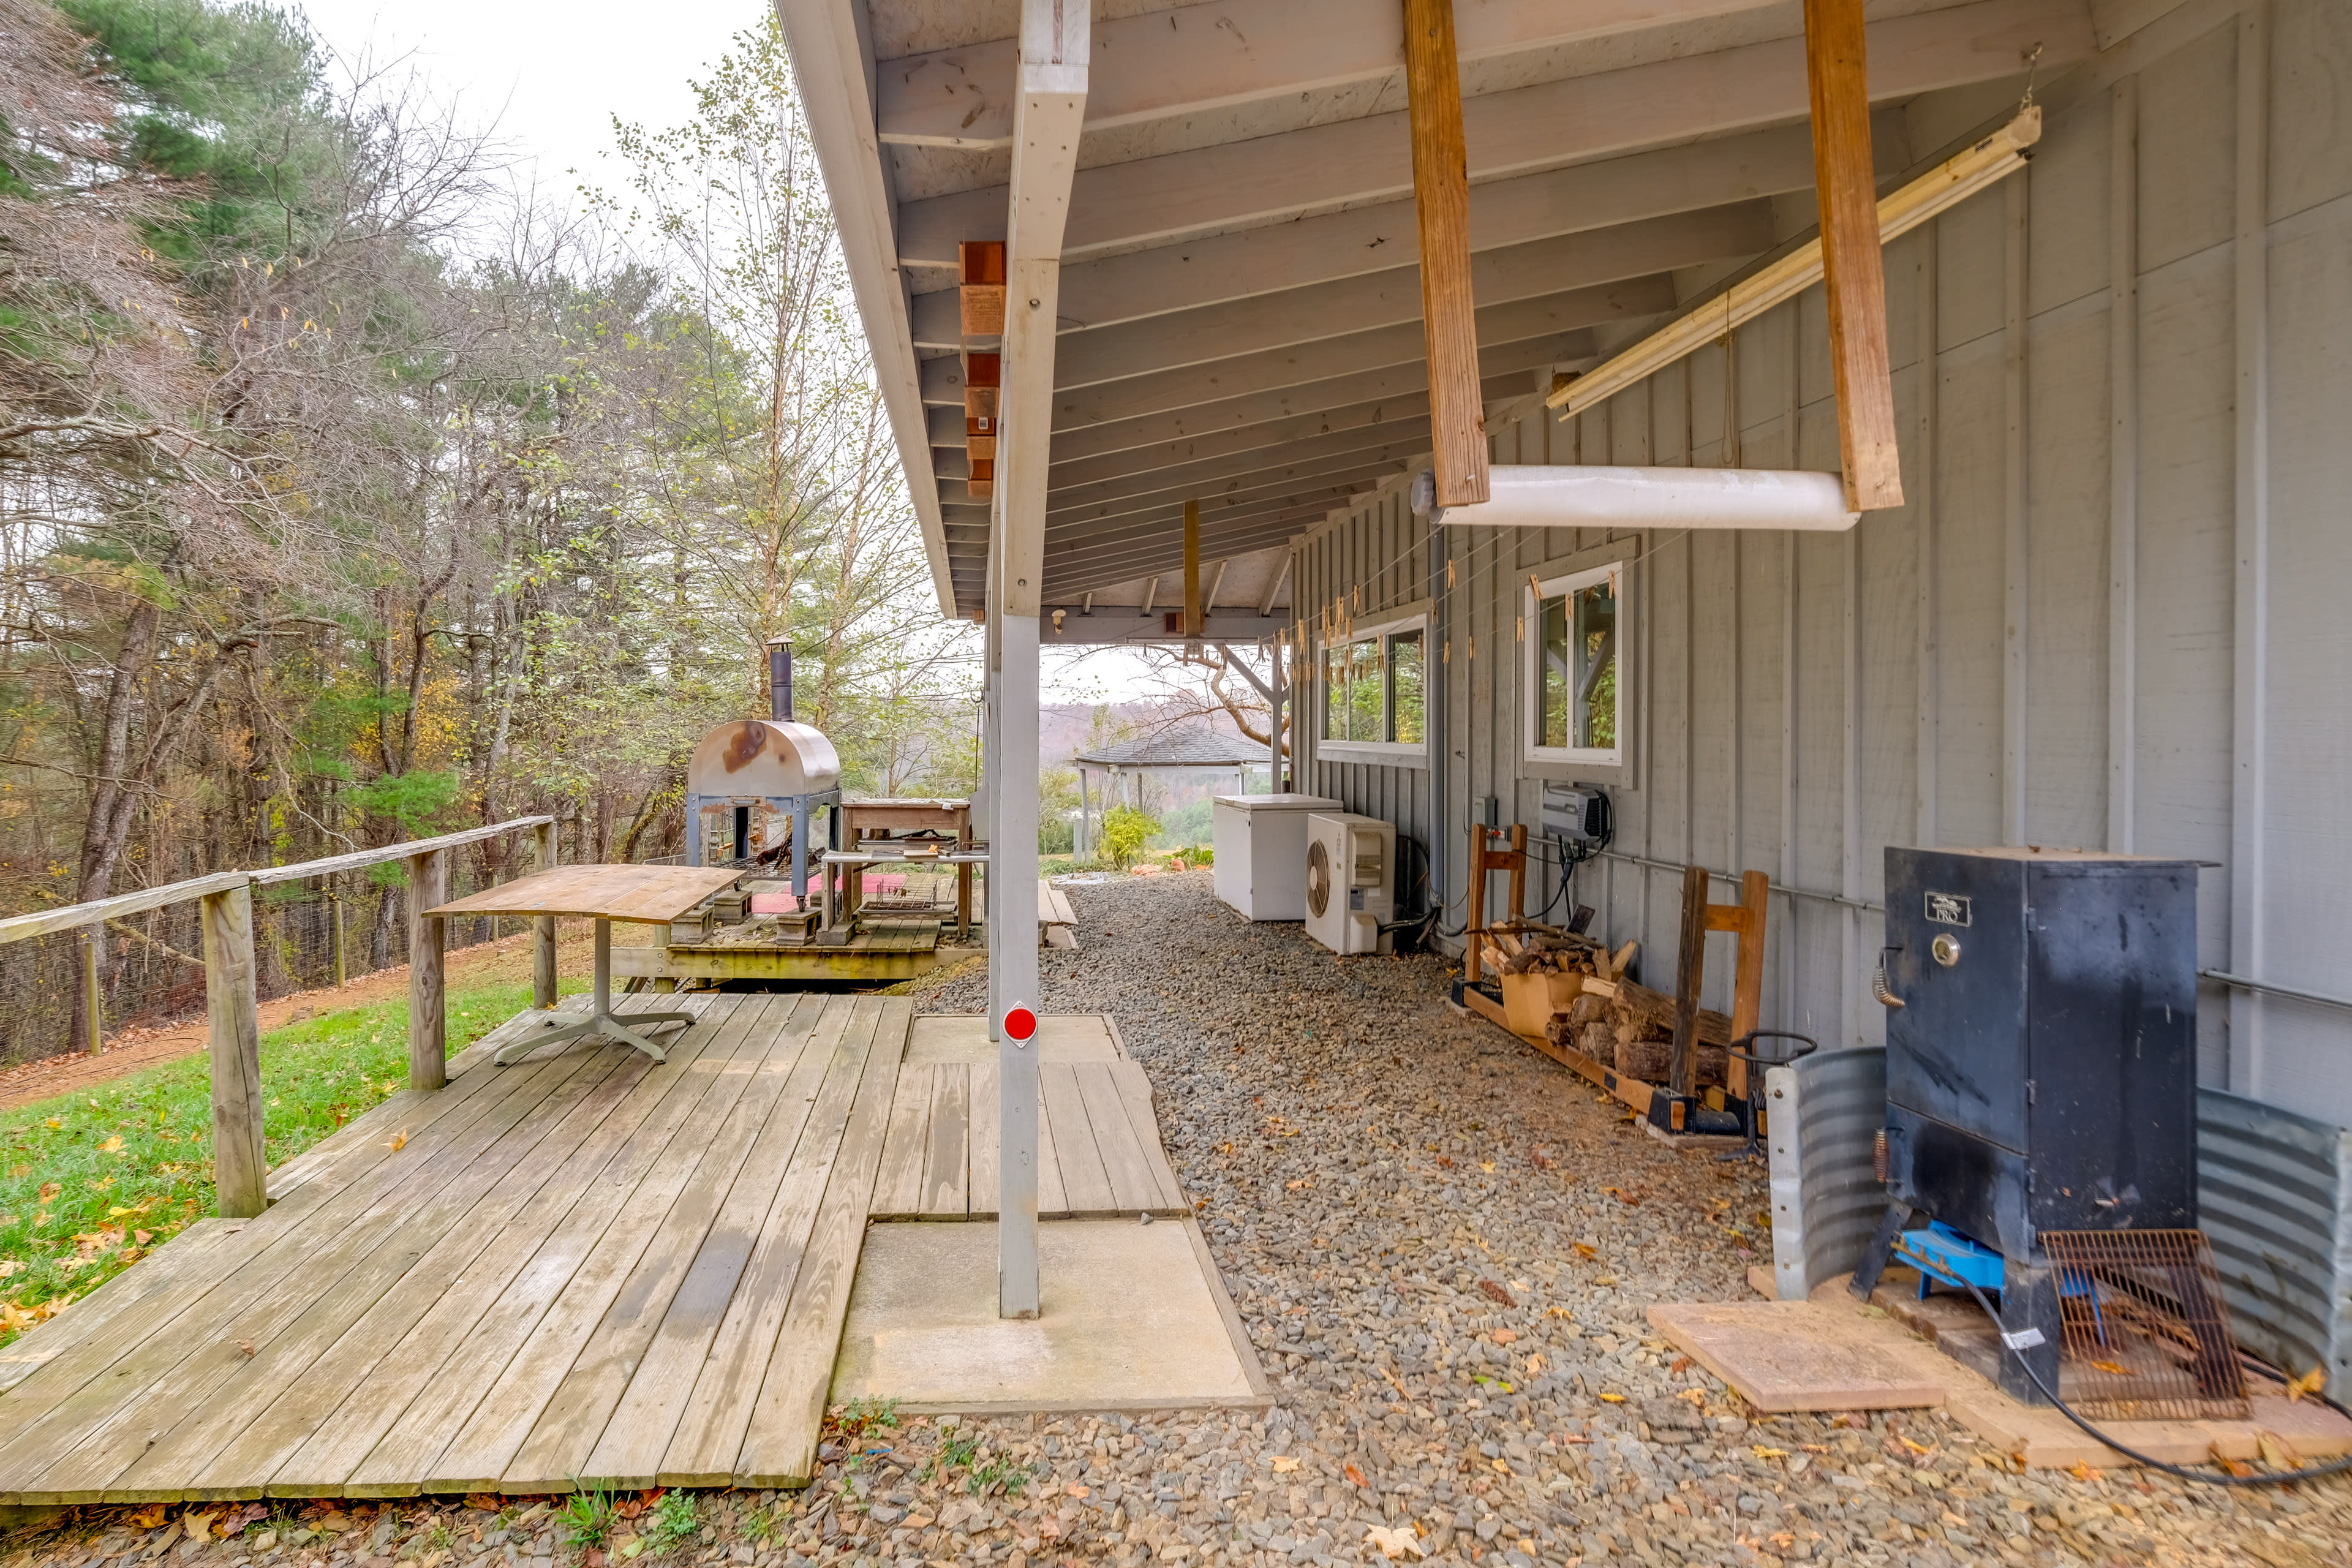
(111, 1144)
(1487, 1166)
(1614, 1398)
(1500, 1467)
(1356, 1475)
(2275, 1452)
(2114, 1369)
(1583, 1250)
(53, 1123)
(141, 1238)
(397, 1141)
(1536, 1364)
(148, 1518)
(2310, 1383)
(1506, 1336)
(49, 1190)
(245, 1348)
(1761, 1452)
(1394, 1543)
(1078, 1488)
(198, 1526)
(1494, 1291)
(1681, 1365)
(1283, 1463)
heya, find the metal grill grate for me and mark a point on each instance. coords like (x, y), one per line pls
(2147, 1336)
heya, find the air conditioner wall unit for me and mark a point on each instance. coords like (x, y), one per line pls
(1350, 881)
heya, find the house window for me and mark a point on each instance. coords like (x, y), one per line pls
(1372, 693)
(1576, 669)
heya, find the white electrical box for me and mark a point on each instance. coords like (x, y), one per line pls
(1350, 881)
(1261, 852)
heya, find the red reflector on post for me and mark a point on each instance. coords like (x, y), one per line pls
(1020, 1023)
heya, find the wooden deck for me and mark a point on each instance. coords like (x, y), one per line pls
(1099, 1153)
(586, 1265)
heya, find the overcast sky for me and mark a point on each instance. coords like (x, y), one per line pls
(553, 76)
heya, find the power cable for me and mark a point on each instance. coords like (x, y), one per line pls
(2206, 1477)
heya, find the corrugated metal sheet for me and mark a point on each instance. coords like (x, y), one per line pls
(1822, 1114)
(2275, 1194)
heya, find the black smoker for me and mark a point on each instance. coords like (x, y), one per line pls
(2041, 1056)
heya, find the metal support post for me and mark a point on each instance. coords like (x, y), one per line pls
(1012, 963)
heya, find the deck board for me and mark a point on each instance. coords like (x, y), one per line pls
(587, 1267)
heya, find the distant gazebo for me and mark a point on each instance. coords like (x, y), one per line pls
(1175, 751)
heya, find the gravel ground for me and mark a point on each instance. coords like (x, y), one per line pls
(1443, 1245)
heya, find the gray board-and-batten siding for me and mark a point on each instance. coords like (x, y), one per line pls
(2112, 613)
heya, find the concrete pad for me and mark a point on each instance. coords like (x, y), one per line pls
(1134, 1318)
(940, 1037)
(1806, 1356)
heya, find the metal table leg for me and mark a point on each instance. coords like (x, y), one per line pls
(601, 1019)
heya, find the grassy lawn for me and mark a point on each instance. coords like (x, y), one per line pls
(90, 1181)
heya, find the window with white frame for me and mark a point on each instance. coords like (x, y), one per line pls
(1575, 678)
(1373, 693)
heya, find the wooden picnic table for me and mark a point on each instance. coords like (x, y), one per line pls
(654, 894)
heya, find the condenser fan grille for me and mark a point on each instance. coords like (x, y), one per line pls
(1319, 878)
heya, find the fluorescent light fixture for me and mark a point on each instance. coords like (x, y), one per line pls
(1528, 495)
(1946, 185)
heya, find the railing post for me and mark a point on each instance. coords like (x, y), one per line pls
(241, 1174)
(429, 1045)
(543, 940)
(93, 1003)
(335, 903)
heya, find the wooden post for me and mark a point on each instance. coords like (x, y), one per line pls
(1682, 1075)
(1747, 979)
(93, 1003)
(429, 1045)
(233, 1009)
(1834, 69)
(335, 903)
(1440, 190)
(1518, 884)
(1192, 617)
(1474, 908)
(542, 938)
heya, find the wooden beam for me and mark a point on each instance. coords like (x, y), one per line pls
(1196, 60)
(1398, 297)
(1777, 281)
(1441, 193)
(1192, 568)
(1277, 178)
(1527, 334)
(1837, 74)
(1323, 248)
(1689, 975)
(233, 1011)
(832, 66)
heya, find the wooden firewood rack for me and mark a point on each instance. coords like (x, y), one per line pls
(1678, 1105)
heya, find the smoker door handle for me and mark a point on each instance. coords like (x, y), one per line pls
(1878, 981)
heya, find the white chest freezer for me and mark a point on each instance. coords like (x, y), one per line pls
(1261, 845)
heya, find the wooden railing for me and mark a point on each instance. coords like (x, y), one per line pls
(233, 1002)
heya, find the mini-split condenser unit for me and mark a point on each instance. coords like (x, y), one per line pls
(1350, 881)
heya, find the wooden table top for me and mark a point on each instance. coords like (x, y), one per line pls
(652, 893)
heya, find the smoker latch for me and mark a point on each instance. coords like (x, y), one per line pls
(1878, 980)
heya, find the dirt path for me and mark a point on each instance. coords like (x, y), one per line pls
(484, 963)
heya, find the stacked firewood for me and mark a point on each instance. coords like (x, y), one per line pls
(1612, 1020)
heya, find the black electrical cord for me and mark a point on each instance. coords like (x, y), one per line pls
(2275, 1478)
